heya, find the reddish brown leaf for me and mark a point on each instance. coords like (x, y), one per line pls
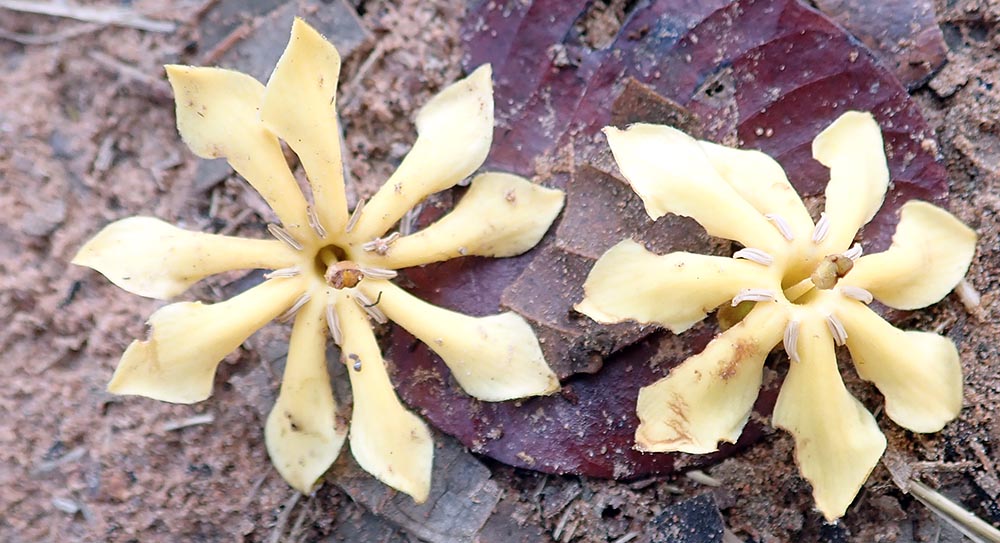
(904, 33)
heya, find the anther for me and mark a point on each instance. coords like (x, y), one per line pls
(314, 222)
(370, 307)
(836, 329)
(377, 273)
(355, 216)
(380, 246)
(822, 229)
(283, 272)
(781, 224)
(857, 293)
(334, 325)
(282, 235)
(754, 255)
(753, 295)
(791, 340)
(854, 252)
(291, 311)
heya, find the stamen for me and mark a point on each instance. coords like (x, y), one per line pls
(857, 293)
(282, 235)
(791, 340)
(334, 325)
(283, 272)
(377, 273)
(355, 215)
(837, 329)
(380, 246)
(755, 255)
(291, 311)
(822, 229)
(854, 252)
(781, 224)
(369, 306)
(314, 222)
(753, 295)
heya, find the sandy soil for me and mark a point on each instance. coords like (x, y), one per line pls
(87, 136)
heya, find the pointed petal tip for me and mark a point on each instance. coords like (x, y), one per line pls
(128, 378)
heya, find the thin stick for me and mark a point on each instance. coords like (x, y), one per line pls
(91, 14)
(206, 418)
(49, 39)
(282, 521)
(161, 89)
(965, 521)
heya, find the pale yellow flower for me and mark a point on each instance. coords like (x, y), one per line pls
(331, 269)
(809, 288)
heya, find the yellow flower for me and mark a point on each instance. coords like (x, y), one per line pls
(331, 269)
(808, 287)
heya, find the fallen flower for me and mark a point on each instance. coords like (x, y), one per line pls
(808, 288)
(331, 270)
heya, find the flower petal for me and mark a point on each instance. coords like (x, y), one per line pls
(837, 441)
(152, 258)
(919, 373)
(387, 440)
(501, 215)
(493, 358)
(218, 117)
(455, 130)
(299, 107)
(708, 397)
(303, 433)
(762, 182)
(853, 150)
(675, 290)
(670, 171)
(188, 340)
(930, 253)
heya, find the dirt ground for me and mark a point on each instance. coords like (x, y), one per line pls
(87, 136)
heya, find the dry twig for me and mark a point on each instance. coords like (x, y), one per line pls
(963, 520)
(107, 15)
(48, 39)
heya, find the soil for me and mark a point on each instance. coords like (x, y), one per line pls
(87, 136)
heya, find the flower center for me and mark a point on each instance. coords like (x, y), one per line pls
(331, 262)
(829, 270)
(343, 274)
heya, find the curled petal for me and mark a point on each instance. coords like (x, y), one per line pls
(761, 181)
(919, 373)
(675, 290)
(670, 171)
(708, 397)
(837, 441)
(493, 358)
(303, 433)
(387, 440)
(187, 341)
(299, 107)
(455, 130)
(930, 253)
(152, 258)
(501, 215)
(218, 116)
(859, 175)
